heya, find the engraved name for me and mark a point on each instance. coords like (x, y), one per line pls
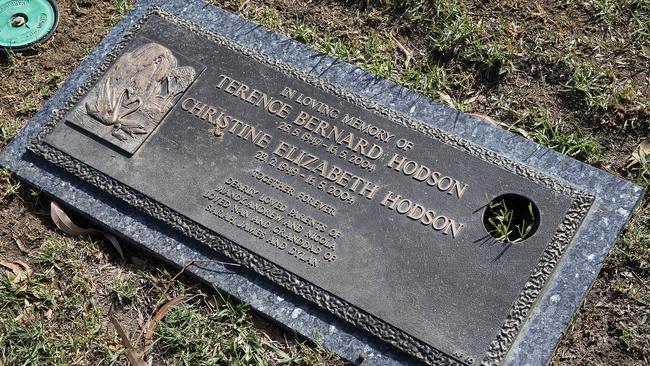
(322, 151)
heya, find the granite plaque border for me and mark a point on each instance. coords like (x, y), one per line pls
(581, 202)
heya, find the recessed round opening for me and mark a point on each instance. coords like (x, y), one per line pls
(511, 218)
(19, 20)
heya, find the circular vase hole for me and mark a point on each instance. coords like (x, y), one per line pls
(511, 218)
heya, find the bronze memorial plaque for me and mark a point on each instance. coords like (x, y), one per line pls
(371, 215)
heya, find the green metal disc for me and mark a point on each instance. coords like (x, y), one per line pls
(24, 23)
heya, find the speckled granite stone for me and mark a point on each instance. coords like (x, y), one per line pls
(540, 334)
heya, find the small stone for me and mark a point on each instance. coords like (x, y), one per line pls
(363, 356)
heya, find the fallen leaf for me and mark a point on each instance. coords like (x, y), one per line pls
(113, 240)
(641, 154)
(15, 268)
(159, 315)
(65, 224)
(488, 120)
(471, 100)
(213, 303)
(26, 268)
(132, 354)
(19, 270)
(446, 99)
(21, 246)
(520, 131)
(495, 123)
(25, 318)
(407, 53)
(644, 147)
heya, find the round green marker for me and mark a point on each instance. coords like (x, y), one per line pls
(25, 23)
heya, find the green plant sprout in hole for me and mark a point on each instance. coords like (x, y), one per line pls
(510, 225)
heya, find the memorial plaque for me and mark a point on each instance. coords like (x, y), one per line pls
(373, 215)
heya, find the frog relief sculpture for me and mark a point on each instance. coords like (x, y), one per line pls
(138, 90)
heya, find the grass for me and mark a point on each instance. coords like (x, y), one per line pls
(509, 225)
(373, 52)
(636, 247)
(58, 316)
(10, 186)
(594, 87)
(563, 136)
(469, 55)
(8, 62)
(454, 32)
(86, 49)
(125, 289)
(119, 10)
(33, 307)
(641, 171)
(223, 336)
(53, 253)
(26, 344)
(9, 130)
